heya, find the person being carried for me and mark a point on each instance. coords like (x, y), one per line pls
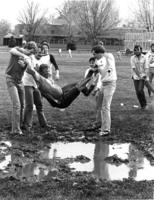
(60, 97)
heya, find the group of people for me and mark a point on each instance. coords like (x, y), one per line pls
(29, 78)
(142, 66)
(22, 88)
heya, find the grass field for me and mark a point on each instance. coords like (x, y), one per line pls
(129, 124)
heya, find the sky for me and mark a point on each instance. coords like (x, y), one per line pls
(9, 9)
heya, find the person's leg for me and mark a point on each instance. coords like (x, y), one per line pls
(13, 92)
(99, 101)
(108, 91)
(139, 86)
(21, 92)
(141, 94)
(150, 80)
(150, 75)
(39, 107)
(29, 102)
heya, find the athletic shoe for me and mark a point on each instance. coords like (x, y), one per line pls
(104, 133)
(17, 133)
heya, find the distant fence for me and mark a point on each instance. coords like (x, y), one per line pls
(144, 39)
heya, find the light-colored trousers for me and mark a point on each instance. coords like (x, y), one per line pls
(16, 92)
(104, 104)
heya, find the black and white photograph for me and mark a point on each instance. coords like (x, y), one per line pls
(77, 100)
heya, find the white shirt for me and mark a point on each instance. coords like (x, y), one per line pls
(150, 59)
(138, 63)
(106, 67)
(28, 79)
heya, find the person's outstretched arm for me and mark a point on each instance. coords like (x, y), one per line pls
(53, 61)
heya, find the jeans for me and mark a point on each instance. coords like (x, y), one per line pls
(33, 96)
(99, 100)
(16, 92)
(151, 74)
(107, 91)
(139, 88)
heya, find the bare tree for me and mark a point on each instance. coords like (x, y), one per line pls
(91, 17)
(5, 27)
(144, 14)
(67, 13)
(31, 18)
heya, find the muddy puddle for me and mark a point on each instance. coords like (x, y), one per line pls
(106, 161)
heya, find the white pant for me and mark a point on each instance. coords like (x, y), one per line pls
(107, 91)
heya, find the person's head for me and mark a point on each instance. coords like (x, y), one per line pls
(38, 55)
(101, 43)
(152, 47)
(92, 62)
(45, 47)
(44, 70)
(98, 51)
(32, 47)
(137, 50)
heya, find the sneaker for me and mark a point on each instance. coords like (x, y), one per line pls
(145, 107)
(17, 133)
(104, 133)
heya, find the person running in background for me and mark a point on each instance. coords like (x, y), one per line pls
(106, 67)
(49, 59)
(70, 53)
(60, 51)
(139, 73)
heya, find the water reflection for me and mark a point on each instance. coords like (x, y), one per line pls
(101, 168)
(15, 163)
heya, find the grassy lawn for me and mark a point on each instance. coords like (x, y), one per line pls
(129, 124)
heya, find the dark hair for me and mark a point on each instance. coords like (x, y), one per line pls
(151, 45)
(92, 59)
(100, 43)
(138, 47)
(44, 43)
(98, 49)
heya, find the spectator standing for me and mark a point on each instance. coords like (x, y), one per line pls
(139, 73)
(150, 63)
